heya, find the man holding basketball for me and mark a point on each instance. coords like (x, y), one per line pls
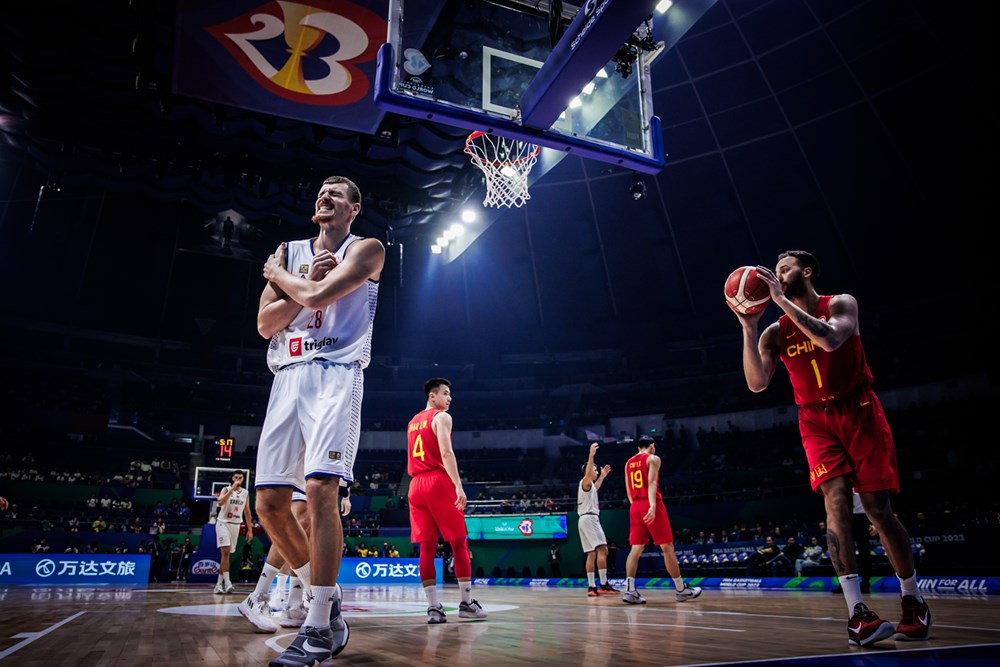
(844, 431)
(648, 520)
(437, 500)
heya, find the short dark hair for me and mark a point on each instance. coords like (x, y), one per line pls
(434, 383)
(353, 191)
(806, 260)
(583, 468)
(645, 441)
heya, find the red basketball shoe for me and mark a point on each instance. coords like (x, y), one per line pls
(866, 628)
(915, 625)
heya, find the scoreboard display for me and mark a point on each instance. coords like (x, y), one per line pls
(223, 450)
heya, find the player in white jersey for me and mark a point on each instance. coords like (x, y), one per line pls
(592, 538)
(234, 505)
(317, 309)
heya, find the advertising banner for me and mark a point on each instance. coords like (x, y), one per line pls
(517, 527)
(69, 569)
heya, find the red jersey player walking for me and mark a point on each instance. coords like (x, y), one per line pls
(437, 499)
(648, 520)
(844, 431)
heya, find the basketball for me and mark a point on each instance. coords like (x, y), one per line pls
(746, 293)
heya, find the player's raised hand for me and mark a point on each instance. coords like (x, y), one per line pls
(593, 448)
(768, 277)
(605, 471)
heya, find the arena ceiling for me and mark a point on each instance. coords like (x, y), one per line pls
(844, 128)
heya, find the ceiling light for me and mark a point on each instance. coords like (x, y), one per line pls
(448, 234)
(468, 215)
(602, 73)
(442, 241)
(663, 5)
(575, 102)
(456, 230)
(589, 88)
(435, 250)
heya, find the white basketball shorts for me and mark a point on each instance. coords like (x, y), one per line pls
(227, 534)
(313, 424)
(591, 533)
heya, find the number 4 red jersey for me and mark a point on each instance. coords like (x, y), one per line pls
(423, 454)
(637, 470)
(818, 375)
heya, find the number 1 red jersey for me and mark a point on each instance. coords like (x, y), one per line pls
(818, 375)
(423, 454)
(637, 470)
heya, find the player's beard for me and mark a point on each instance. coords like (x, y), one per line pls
(796, 287)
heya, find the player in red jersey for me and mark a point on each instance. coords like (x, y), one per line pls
(437, 499)
(648, 519)
(844, 431)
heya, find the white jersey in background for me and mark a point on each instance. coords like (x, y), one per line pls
(586, 501)
(232, 511)
(341, 332)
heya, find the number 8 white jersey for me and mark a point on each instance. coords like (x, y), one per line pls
(341, 332)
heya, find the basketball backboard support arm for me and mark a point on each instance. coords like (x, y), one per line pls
(599, 28)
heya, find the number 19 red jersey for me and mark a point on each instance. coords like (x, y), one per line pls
(638, 477)
(423, 454)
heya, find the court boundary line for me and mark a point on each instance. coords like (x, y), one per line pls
(29, 637)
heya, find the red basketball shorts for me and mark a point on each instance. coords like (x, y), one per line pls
(850, 437)
(432, 509)
(640, 532)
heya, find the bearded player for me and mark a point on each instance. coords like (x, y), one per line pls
(844, 431)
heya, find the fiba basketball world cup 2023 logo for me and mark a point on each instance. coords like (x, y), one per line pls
(526, 527)
(321, 49)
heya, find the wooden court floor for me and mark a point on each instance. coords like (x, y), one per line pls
(188, 625)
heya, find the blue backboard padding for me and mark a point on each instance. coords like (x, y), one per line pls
(389, 100)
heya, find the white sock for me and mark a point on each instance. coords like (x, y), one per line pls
(294, 592)
(304, 578)
(679, 583)
(432, 595)
(909, 586)
(466, 587)
(590, 579)
(603, 575)
(264, 582)
(851, 584)
(226, 577)
(319, 608)
(221, 580)
(630, 583)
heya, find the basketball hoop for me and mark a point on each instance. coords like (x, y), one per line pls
(506, 164)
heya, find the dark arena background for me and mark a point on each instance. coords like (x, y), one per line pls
(148, 167)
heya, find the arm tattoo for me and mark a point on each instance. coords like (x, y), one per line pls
(833, 546)
(818, 327)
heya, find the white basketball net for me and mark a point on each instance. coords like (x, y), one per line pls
(506, 164)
